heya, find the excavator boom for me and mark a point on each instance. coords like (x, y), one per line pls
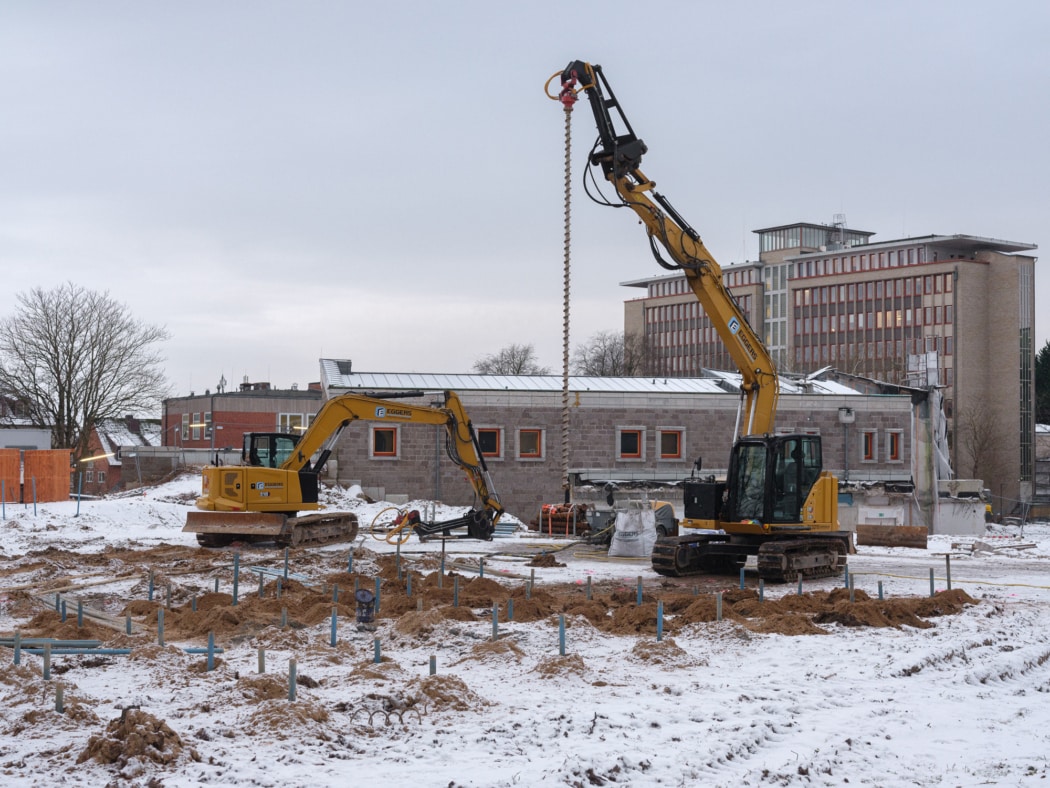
(619, 155)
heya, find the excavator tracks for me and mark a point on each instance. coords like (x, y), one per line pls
(779, 560)
(219, 529)
(788, 560)
(317, 529)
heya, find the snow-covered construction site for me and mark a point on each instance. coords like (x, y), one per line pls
(520, 661)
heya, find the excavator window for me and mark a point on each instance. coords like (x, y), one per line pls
(269, 449)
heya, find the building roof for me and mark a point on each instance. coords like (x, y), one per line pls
(116, 433)
(336, 374)
(961, 243)
(813, 225)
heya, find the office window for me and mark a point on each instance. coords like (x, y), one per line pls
(530, 444)
(490, 440)
(384, 443)
(290, 422)
(89, 476)
(671, 443)
(195, 427)
(894, 440)
(630, 443)
(185, 426)
(100, 477)
(207, 425)
(868, 446)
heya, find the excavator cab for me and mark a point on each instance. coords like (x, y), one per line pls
(770, 477)
(268, 449)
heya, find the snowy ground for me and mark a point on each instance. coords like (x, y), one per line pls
(960, 703)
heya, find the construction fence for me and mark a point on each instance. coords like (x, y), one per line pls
(34, 475)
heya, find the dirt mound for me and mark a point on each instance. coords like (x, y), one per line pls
(664, 652)
(494, 649)
(482, 592)
(528, 610)
(443, 693)
(704, 609)
(570, 664)
(632, 620)
(264, 687)
(281, 719)
(784, 624)
(545, 559)
(595, 611)
(136, 734)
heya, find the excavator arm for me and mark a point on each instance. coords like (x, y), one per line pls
(619, 155)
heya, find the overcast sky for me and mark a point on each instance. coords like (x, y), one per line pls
(280, 182)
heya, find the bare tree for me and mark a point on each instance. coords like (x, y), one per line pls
(611, 354)
(511, 360)
(77, 356)
(980, 441)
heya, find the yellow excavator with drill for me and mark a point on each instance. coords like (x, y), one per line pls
(777, 502)
(261, 500)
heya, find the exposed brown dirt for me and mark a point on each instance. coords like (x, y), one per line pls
(612, 608)
(136, 734)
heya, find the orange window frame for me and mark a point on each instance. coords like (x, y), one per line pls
(538, 436)
(869, 446)
(376, 451)
(893, 449)
(494, 432)
(671, 455)
(627, 455)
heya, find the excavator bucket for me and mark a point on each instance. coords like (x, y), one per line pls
(239, 525)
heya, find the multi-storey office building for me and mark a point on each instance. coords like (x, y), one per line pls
(954, 311)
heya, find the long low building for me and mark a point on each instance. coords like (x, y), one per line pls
(610, 429)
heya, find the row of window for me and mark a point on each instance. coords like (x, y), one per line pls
(671, 317)
(679, 286)
(193, 424)
(870, 261)
(812, 237)
(932, 284)
(531, 443)
(890, 318)
(894, 445)
(197, 426)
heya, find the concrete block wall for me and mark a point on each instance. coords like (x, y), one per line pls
(423, 471)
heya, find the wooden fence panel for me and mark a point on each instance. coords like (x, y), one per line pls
(50, 468)
(10, 473)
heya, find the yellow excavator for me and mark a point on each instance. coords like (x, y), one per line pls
(262, 499)
(777, 502)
